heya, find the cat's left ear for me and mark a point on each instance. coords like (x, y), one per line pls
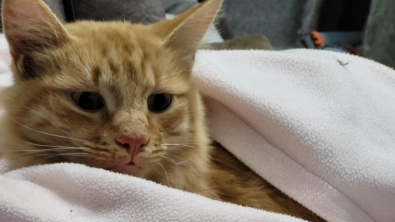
(185, 32)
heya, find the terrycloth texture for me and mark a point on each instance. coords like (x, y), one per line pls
(318, 125)
(320, 131)
(67, 192)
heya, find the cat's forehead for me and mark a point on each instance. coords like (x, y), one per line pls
(119, 56)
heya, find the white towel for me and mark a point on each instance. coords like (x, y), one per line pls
(318, 125)
(320, 131)
(70, 192)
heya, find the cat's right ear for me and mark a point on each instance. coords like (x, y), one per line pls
(30, 26)
(184, 33)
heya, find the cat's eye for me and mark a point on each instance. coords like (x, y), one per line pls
(159, 102)
(88, 101)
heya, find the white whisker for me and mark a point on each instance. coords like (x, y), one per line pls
(168, 181)
(67, 154)
(48, 155)
(169, 159)
(178, 145)
(182, 162)
(212, 193)
(49, 134)
(31, 155)
(173, 161)
(40, 150)
(67, 147)
(45, 154)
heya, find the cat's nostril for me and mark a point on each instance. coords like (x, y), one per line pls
(123, 145)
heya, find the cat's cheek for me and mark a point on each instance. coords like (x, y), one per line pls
(184, 125)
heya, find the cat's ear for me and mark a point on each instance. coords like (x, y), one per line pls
(29, 25)
(185, 32)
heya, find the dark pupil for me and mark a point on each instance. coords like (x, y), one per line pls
(159, 102)
(86, 101)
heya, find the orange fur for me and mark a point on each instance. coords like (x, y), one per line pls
(124, 63)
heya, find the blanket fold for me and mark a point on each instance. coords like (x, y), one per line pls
(317, 125)
(71, 192)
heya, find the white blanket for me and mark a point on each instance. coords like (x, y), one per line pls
(318, 125)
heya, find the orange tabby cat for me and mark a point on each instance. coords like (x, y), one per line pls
(119, 96)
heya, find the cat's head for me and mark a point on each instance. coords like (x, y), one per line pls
(106, 94)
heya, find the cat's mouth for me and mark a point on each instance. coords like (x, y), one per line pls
(130, 168)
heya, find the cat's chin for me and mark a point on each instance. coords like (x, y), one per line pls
(130, 169)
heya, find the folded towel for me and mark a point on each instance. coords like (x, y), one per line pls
(318, 125)
(70, 192)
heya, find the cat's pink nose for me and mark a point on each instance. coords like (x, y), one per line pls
(133, 144)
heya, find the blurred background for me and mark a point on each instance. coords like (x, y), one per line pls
(361, 27)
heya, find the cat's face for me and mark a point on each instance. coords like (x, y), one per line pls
(111, 95)
(117, 99)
